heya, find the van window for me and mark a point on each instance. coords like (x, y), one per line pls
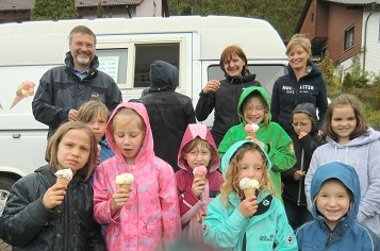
(114, 62)
(147, 53)
(265, 74)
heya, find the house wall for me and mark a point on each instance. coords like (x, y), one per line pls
(149, 8)
(372, 63)
(340, 19)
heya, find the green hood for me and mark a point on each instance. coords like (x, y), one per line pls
(231, 151)
(245, 94)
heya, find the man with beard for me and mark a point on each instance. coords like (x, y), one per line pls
(63, 89)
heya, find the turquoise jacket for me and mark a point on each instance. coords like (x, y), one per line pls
(278, 143)
(224, 226)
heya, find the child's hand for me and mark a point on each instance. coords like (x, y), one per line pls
(248, 206)
(198, 187)
(301, 135)
(298, 174)
(54, 196)
(119, 199)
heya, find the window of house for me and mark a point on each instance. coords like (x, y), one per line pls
(349, 38)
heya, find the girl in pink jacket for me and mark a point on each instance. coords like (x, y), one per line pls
(197, 149)
(144, 217)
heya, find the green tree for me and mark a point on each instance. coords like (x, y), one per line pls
(283, 15)
(54, 10)
(99, 10)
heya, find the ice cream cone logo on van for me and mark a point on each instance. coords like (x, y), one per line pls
(25, 89)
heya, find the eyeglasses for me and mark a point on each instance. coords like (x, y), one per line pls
(299, 124)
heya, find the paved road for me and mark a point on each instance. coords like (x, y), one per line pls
(4, 246)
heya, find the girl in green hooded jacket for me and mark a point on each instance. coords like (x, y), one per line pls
(254, 108)
(239, 221)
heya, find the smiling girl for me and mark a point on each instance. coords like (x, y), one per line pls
(351, 141)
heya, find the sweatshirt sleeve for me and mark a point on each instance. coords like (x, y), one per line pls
(222, 228)
(169, 205)
(281, 152)
(205, 105)
(275, 103)
(370, 201)
(23, 218)
(285, 239)
(102, 198)
(43, 107)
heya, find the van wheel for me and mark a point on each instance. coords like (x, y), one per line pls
(5, 187)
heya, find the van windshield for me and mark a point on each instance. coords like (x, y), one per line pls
(265, 74)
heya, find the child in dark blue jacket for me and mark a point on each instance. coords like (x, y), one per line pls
(335, 190)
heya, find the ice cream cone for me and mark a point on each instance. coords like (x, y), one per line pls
(126, 186)
(63, 181)
(249, 192)
(16, 99)
(124, 180)
(201, 177)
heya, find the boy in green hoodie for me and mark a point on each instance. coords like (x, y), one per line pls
(254, 108)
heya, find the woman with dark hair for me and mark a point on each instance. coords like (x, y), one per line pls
(223, 95)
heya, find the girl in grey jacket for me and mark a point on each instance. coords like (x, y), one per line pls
(352, 142)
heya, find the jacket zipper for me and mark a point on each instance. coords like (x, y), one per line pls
(329, 238)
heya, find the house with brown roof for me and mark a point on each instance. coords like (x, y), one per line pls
(344, 28)
(19, 10)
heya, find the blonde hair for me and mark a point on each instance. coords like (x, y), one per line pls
(344, 100)
(52, 147)
(299, 39)
(247, 100)
(231, 183)
(133, 116)
(91, 110)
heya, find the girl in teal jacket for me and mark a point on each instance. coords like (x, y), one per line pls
(256, 222)
(254, 107)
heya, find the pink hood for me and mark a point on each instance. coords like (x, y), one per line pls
(146, 150)
(201, 131)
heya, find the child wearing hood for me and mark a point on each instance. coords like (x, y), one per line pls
(197, 149)
(239, 221)
(254, 108)
(145, 216)
(335, 190)
(305, 141)
(352, 142)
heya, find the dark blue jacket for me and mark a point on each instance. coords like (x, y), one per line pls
(348, 234)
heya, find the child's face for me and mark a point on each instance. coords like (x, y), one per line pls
(128, 136)
(251, 166)
(343, 123)
(301, 123)
(333, 201)
(98, 126)
(200, 155)
(74, 150)
(254, 111)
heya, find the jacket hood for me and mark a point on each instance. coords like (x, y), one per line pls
(312, 69)
(263, 93)
(231, 151)
(346, 174)
(146, 150)
(163, 76)
(198, 130)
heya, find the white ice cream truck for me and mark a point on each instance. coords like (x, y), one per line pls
(126, 48)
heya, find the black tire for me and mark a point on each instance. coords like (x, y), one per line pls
(5, 187)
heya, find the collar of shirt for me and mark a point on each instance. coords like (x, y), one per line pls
(81, 74)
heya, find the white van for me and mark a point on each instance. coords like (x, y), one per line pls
(126, 48)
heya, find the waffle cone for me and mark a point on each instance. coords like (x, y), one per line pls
(201, 177)
(249, 192)
(17, 99)
(252, 134)
(63, 181)
(127, 186)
